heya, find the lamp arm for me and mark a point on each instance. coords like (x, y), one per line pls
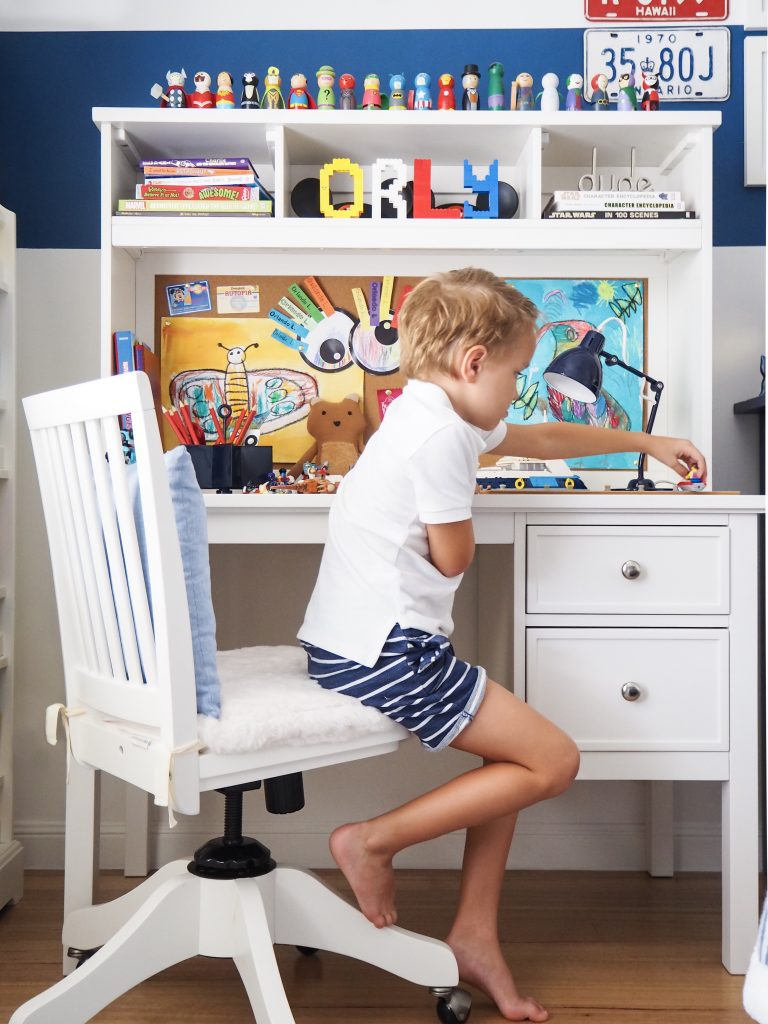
(613, 360)
(657, 387)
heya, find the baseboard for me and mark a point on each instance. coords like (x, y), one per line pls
(540, 846)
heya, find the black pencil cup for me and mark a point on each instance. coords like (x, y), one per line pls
(223, 467)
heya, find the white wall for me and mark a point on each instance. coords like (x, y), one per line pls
(594, 825)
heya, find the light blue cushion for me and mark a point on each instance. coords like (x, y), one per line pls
(192, 528)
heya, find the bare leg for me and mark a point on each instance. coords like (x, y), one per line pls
(474, 936)
(530, 760)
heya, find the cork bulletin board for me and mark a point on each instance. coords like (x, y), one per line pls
(346, 343)
(343, 352)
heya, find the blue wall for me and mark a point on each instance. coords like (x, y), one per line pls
(49, 165)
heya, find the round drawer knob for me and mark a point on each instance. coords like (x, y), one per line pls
(631, 691)
(630, 570)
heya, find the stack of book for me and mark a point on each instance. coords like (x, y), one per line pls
(577, 205)
(199, 186)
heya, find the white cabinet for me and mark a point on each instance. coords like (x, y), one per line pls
(11, 854)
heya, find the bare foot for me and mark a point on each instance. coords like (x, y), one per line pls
(369, 874)
(484, 966)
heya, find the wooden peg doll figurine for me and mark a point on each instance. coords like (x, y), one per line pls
(372, 93)
(522, 92)
(249, 98)
(175, 98)
(347, 97)
(445, 97)
(627, 98)
(299, 97)
(470, 79)
(496, 86)
(397, 92)
(202, 98)
(272, 98)
(599, 84)
(650, 87)
(225, 96)
(326, 97)
(574, 84)
(422, 99)
(549, 97)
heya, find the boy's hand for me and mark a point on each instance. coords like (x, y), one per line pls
(678, 454)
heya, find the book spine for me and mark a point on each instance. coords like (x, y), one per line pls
(123, 347)
(619, 215)
(620, 204)
(210, 190)
(577, 195)
(198, 181)
(262, 206)
(194, 163)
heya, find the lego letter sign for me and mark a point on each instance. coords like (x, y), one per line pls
(393, 172)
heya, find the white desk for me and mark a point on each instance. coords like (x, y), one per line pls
(655, 589)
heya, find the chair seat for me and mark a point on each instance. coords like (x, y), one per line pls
(268, 700)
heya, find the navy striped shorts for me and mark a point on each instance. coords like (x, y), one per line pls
(418, 682)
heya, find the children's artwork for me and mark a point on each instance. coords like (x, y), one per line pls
(208, 362)
(188, 297)
(568, 308)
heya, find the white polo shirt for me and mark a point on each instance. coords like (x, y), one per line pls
(418, 468)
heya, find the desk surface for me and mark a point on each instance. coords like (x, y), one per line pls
(302, 519)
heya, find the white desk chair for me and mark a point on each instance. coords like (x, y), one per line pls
(131, 711)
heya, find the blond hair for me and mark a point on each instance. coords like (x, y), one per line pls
(451, 311)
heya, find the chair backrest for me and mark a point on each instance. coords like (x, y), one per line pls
(127, 658)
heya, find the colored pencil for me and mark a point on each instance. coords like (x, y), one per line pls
(175, 429)
(187, 418)
(245, 428)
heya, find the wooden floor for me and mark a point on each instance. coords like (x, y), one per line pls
(603, 948)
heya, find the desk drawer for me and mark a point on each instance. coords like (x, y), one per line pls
(628, 570)
(582, 678)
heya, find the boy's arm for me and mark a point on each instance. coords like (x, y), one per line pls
(451, 546)
(572, 440)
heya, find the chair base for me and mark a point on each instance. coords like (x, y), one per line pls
(176, 915)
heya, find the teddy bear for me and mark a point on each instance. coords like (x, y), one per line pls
(337, 429)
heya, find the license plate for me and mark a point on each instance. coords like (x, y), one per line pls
(692, 64)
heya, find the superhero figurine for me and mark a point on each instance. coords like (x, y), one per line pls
(326, 98)
(372, 94)
(573, 84)
(422, 99)
(599, 84)
(627, 99)
(249, 99)
(299, 98)
(445, 97)
(522, 92)
(496, 86)
(225, 96)
(272, 98)
(175, 98)
(397, 92)
(470, 98)
(202, 97)
(650, 86)
(347, 86)
(549, 97)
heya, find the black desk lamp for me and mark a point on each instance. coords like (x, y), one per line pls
(578, 374)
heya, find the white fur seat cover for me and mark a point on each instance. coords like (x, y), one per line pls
(267, 698)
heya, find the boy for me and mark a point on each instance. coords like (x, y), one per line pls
(400, 538)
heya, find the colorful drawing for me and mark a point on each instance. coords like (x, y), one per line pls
(568, 308)
(207, 362)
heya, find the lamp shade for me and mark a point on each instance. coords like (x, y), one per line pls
(578, 373)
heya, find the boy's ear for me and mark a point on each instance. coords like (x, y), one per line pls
(471, 362)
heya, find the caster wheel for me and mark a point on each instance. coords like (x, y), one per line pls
(81, 955)
(454, 1007)
(306, 950)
